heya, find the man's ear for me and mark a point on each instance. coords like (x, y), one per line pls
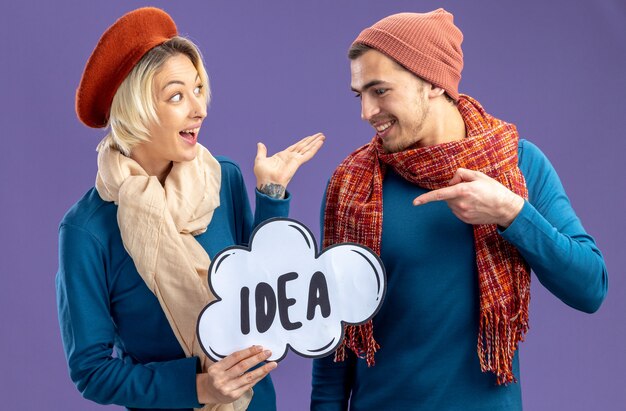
(435, 91)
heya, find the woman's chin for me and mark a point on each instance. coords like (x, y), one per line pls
(189, 155)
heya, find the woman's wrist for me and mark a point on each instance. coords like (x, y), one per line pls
(272, 190)
(201, 384)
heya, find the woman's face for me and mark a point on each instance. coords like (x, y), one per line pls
(181, 108)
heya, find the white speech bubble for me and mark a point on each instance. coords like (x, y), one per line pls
(279, 293)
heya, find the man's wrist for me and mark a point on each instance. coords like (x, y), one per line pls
(513, 208)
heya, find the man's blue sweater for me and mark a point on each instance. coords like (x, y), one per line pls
(427, 326)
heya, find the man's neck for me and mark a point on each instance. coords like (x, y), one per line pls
(446, 122)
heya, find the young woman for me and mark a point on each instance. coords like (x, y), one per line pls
(135, 250)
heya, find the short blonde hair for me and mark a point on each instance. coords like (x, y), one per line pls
(133, 107)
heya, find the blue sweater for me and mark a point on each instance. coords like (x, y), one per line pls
(118, 343)
(428, 324)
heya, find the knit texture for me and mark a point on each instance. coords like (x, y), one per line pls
(426, 44)
(354, 213)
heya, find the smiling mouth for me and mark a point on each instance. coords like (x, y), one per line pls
(382, 128)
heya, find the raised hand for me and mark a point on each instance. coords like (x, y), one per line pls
(476, 198)
(228, 379)
(275, 172)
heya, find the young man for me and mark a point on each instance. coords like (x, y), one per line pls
(459, 209)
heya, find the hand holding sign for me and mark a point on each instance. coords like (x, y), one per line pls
(280, 293)
(227, 380)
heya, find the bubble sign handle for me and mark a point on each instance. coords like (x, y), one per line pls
(280, 293)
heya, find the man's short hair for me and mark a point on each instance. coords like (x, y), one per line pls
(358, 49)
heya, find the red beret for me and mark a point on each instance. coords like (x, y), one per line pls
(120, 48)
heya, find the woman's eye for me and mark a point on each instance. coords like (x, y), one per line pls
(176, 97)
(198, 90)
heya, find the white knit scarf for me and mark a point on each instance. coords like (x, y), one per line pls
(158, 224)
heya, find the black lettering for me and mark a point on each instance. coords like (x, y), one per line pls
(245, 310)
(265, 301)
(284, 303)
(318, 296)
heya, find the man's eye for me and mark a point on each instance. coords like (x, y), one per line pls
(357, 95)
(176, 97)
(380, 91)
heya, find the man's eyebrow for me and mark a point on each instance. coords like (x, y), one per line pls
(367, 85)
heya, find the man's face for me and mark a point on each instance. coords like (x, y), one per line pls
(393, 100)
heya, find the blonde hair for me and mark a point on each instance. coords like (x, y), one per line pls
(133, 107)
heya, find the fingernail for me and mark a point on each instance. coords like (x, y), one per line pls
(267, 353)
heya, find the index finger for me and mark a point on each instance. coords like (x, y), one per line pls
(441, 194)
(238, 356)
(308, 152)
(306, 141)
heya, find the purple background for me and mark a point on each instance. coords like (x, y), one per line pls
(279, 72)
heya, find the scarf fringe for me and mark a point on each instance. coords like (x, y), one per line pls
(494, 353)
(360, 340)
(499, 335)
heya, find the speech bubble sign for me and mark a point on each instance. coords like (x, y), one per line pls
(280, 293)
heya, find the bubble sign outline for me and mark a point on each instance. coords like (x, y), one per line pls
(296, 314)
